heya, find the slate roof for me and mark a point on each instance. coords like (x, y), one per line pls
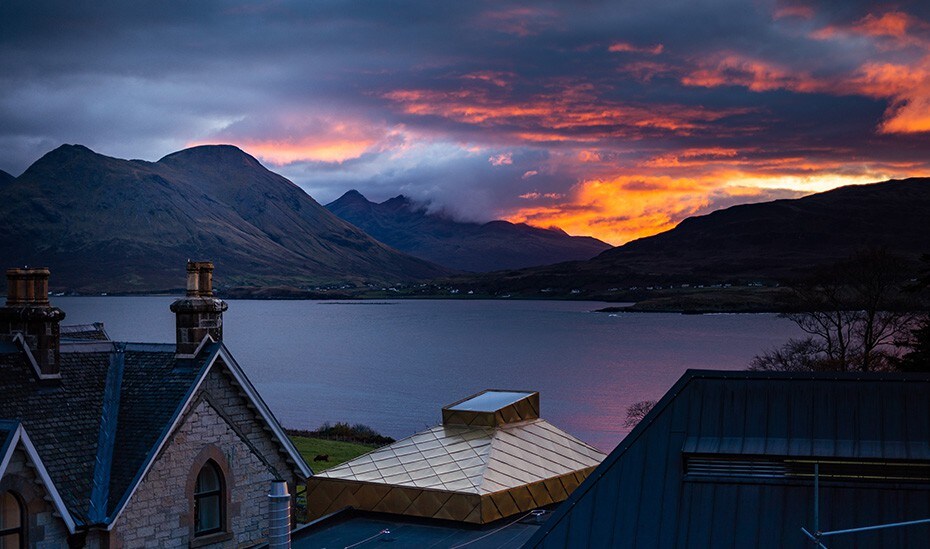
(73, 423)
(83, 332)
(13, 436)
(755, 436)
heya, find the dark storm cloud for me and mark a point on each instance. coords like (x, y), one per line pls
(418, 97)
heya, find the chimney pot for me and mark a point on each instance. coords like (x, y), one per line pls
(206, 278)
(29, 297)
(198, 314)
(15, 287)
(40, 281)
(29, 313)
(193, 279)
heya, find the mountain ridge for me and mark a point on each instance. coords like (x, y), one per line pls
(766, 242)
(140, 221)
(477, 247)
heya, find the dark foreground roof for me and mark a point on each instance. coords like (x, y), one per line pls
(96, 428)
(726, 460)
(351, 527)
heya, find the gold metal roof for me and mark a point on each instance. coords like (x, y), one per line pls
(465, 472)
(476, 460)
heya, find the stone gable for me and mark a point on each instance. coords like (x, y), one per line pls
(44, 529)
(221, 425)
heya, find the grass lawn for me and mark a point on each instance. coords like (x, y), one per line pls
(339, 452)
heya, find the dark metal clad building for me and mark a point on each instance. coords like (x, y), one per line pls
(727, 459)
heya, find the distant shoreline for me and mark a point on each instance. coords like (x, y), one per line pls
(690, 301)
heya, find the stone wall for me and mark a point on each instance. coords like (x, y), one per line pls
(219, 425)
(44, 528)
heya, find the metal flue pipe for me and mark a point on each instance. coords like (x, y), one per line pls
(279, 516)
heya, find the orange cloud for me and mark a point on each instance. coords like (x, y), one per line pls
(893, 29)
(304, 149)
(502, 159)
(691, 157)
(757, 75)
(498, 78)
(572, 112)
(290, 137)
(905, 86)
(888, 24)
(645, 71)
(655, 49)
(520, 21)
(801, 12)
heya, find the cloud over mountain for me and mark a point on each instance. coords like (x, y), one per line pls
(721, 97)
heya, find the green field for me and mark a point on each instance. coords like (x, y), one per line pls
(338, 452)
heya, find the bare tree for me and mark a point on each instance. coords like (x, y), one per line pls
(916, 346)
(877, 279)
(637, 411)
(853, 312)
(798, 355)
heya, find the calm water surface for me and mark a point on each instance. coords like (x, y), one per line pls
(393, 365)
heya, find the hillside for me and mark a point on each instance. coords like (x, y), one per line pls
(106, 224)
(767, 242)
(476, 247)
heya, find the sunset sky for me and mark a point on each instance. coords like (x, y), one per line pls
(614, 119)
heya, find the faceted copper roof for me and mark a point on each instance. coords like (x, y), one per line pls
(493, 457)
(476, 460)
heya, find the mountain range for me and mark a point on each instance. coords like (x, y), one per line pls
(106, 224)
(763, 242)
(477, 247)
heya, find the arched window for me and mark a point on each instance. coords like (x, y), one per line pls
(12, 522)
(209, 500)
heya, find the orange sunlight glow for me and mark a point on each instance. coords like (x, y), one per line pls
(280, 153)
(619, 210)
(626, 207)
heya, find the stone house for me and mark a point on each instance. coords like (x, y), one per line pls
(112, 444)
(31, 509)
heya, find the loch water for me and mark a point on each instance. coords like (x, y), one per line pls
(393, 364)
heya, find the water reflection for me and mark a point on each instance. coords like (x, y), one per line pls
(394, 366)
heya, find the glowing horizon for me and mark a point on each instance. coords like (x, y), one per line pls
(614, 123)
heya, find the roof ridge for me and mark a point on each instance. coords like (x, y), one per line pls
(492, 451)
(109, 415)
(499, 442)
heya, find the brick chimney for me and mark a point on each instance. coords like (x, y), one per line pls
(28, 312)
(198, 314)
